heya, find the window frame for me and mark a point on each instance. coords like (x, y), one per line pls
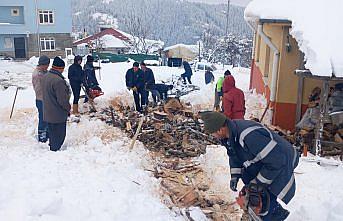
(45, 41)
(46, 13)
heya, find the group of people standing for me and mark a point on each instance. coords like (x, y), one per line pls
(141, 81)
(53, 93)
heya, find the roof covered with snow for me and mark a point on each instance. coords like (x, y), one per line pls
(108, 31)
(315, 26)
(109, 41)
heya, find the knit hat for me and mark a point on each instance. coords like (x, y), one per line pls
(213, 121)
(90, 58)
(43, 60)
(136, 64)
(227, 72)
(77, 58)
(58, 63)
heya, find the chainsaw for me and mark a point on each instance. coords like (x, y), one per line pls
(255, 201)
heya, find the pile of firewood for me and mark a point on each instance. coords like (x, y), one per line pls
(176, 138)
(175, 132)
(332, 140)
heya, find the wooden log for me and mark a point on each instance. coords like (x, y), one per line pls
(137, 132)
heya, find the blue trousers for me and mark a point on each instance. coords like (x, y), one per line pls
(273, 205)
(57, 135)
(42, 125)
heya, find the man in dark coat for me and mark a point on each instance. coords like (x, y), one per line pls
(90, 81)
(259, 157)
(188, 72)
(56, 94)
(209, 77)
(76, 76)
(135, 81)
(149, 80)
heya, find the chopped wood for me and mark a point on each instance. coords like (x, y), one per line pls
(338, 138)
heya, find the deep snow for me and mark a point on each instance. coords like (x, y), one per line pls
(95, 177)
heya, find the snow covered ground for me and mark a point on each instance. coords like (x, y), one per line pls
(95, 177)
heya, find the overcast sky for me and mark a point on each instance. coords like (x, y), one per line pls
(236, 2)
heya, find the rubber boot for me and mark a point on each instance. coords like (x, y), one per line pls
(76, 110)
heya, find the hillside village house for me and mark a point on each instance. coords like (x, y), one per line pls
(276, 57)
(180, 52)
(31, 27)
(108, 40)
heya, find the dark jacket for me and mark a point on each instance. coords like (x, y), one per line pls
(135, 79)
(56, 94)
(90, 78)
(149, 78)
(233, 99)
(75, 73)
(188, 69)
(209, 77)
(257, 153)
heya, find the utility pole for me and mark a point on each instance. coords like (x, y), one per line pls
(37, 27)
(227, 18)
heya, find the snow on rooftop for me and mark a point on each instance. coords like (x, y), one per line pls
(193, 48)
(109, 41)
(315, 26)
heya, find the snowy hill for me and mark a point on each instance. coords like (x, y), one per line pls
(168, 20)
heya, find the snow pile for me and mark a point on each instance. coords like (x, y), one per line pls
(315, 26)
(94, 178)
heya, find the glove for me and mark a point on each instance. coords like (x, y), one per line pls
(134, 89)
(233, 184)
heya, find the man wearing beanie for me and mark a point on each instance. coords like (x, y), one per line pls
(263, 160)
(56, 94)
(135, 81)
(37, 76)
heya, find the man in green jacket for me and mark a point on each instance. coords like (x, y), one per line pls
(218, 93)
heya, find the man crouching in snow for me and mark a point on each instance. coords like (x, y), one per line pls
(262, 159)
(56, 94)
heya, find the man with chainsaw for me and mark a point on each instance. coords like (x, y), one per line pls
(90, 82)
(262, 159)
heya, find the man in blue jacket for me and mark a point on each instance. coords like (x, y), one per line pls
(135, 81)
(259, 157)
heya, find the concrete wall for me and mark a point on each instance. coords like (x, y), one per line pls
(62, 41)
(7, 17)
(62, 16)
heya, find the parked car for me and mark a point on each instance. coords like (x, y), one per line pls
(203, 66)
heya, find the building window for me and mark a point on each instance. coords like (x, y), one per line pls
(8, 43)
(15, 12)
(46, 17)
(47, 44)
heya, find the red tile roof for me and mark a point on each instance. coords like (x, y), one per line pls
(109, 31)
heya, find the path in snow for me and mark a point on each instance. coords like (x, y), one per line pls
(95, 178)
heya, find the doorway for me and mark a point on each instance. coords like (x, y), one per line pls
(19, 47)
